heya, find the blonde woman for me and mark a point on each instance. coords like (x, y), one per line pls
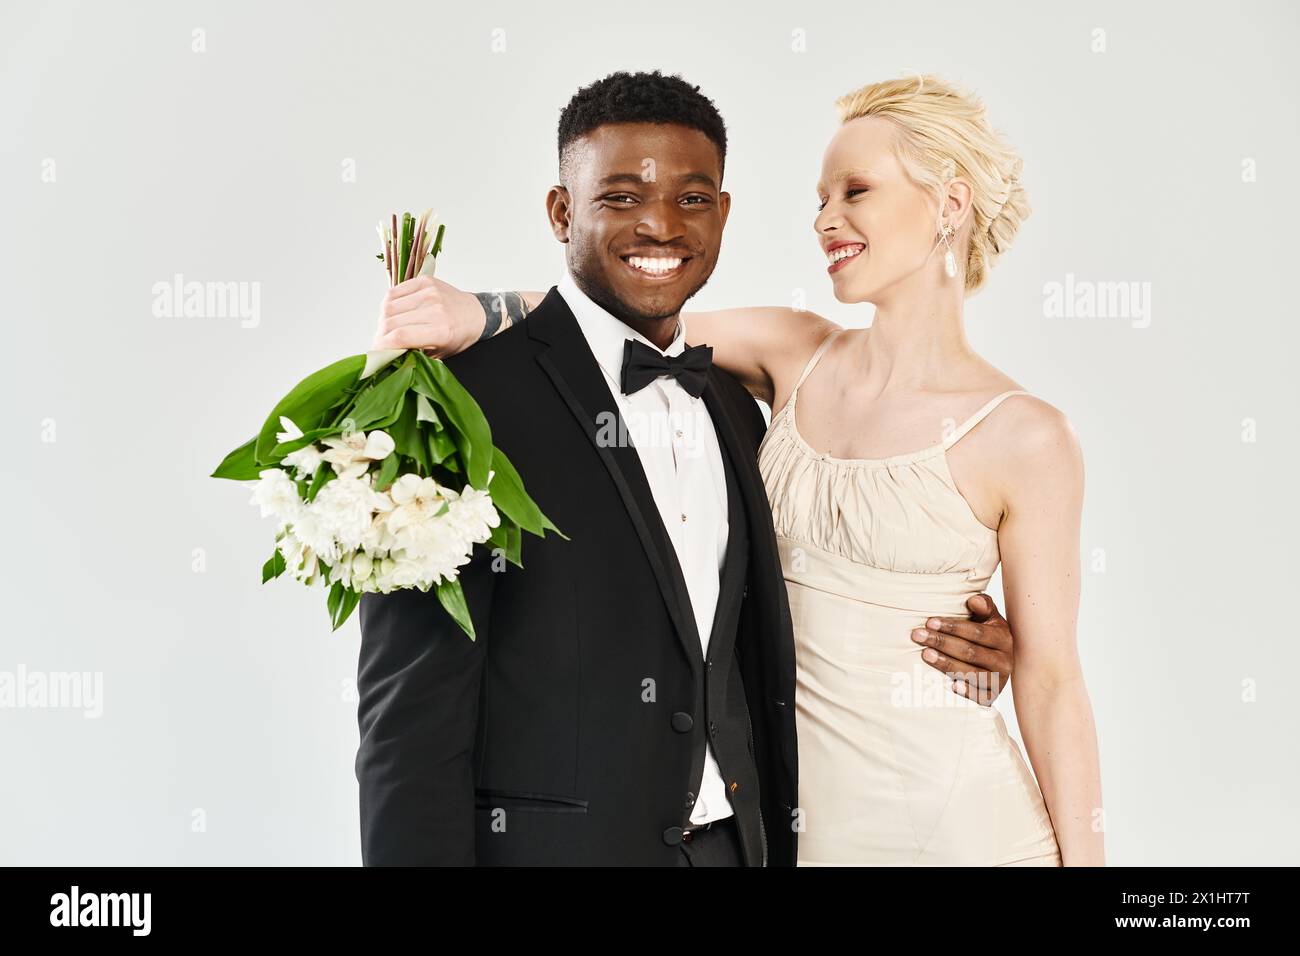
(901, 467)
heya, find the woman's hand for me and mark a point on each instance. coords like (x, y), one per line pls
(429, 314)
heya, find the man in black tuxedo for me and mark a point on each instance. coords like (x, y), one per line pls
(629, 698)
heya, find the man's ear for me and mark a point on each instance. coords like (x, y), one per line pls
(724, 203)
(558, 212)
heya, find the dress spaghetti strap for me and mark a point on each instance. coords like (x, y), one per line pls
(979, 416)
(816, 357)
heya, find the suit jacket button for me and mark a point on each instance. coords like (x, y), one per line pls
(682, 722)
(673, 836)
(713, 729)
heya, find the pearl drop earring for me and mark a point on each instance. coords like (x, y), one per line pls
(949, 260)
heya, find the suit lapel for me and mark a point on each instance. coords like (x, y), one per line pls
(567, 360)
(741, 456)
(735, 565)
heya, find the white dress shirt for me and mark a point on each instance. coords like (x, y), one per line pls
(678, 447)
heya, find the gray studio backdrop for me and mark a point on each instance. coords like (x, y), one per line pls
(202, 718)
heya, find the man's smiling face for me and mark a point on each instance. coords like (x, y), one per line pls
(642, 212)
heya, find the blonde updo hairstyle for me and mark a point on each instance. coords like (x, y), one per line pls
(944, 132)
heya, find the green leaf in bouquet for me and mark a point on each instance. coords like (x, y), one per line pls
(511, 500)
(284, 448)
(442, 449)
(425, 412)
(381, 404)
(240, 464)
(335, 599)
(408, 233)
(452, 597)
(379, 359)
(341, 607)
(437, 437)
(514, 543)
(274, 566)
(324, 474)
(387, 472)
(471, 434)
(308, 402)
(408, 440)
(509, 538)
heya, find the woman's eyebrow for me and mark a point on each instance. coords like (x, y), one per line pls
(842, 174)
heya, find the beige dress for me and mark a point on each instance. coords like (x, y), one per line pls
(894, 768)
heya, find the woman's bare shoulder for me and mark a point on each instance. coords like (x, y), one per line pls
(806, 335)
(1032, 440)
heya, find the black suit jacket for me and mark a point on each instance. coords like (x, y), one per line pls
(572, 731)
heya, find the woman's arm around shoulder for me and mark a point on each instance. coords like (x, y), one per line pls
(764, 347)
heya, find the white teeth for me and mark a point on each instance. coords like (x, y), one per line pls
(843, 252)
(653, 265)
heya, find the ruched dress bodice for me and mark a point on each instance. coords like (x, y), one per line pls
(894, 768)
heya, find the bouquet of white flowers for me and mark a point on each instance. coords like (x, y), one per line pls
(382, 471)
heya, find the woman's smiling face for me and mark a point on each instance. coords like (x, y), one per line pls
(876, 225)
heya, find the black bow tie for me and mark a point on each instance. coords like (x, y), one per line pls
(642, 365)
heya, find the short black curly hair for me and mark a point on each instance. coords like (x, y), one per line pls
(640, 98)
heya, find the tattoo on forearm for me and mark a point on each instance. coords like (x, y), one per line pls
(501, 310)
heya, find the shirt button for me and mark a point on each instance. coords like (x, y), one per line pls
(683, 517)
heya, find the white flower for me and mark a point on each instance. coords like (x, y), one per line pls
(410, 490)
(300, 560)
(276, 494)
(475, 514)
(291, 548)
(344, 507)
(415, 521)
(353, 569)
(305, 460)
(446, 568)
(291, 431)
(398, 571)
(415, 534)
(314, 534)
(378, 539)
(361, 565)
(352, 452)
